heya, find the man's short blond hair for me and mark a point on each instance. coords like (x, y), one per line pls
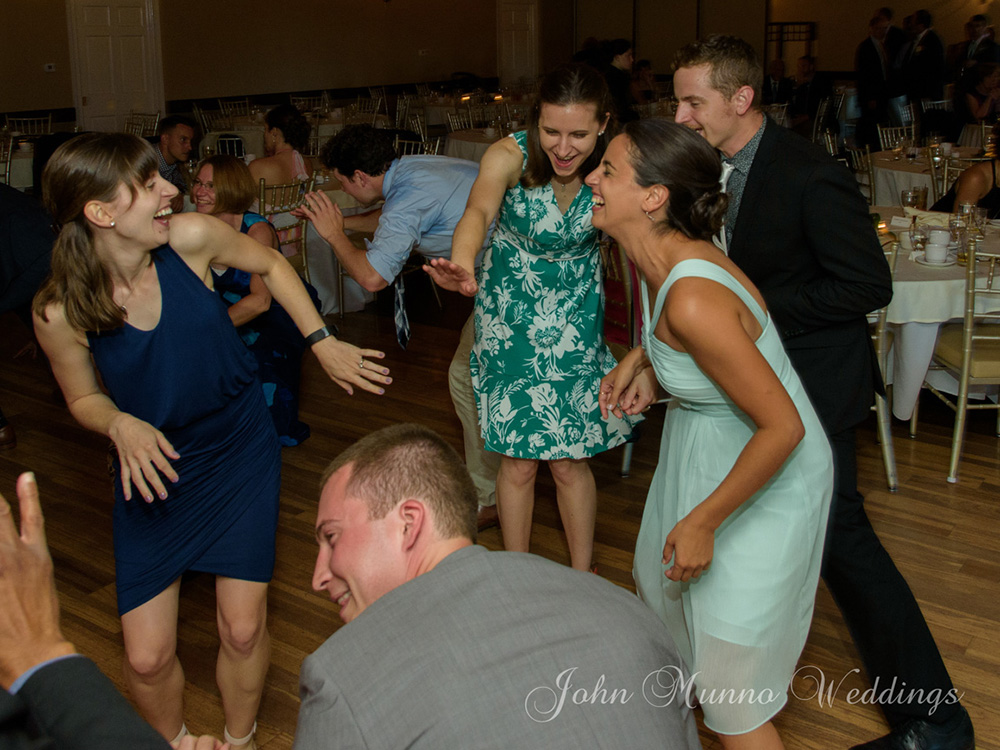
(407, 461)
(732, 61)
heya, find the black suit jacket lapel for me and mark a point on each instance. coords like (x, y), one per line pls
(752, 189)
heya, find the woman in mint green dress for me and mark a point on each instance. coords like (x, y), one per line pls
(539, 354)
(729, 551)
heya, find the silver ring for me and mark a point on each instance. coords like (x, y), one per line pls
(361, 364)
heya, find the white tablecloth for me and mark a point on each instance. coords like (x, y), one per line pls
(323, 264)
(893, 176)
(252, 131)
(469, 144)
(922, 299)
(20, 169)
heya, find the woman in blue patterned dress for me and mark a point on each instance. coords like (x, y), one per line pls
(539, 354)
(130, 298)
(224, 189)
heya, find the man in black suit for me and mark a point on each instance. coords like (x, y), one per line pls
(811, 87)
(978, 47)
(799, 228)
(52, 698)
(923, 68)
(873, 65)
(777, 88)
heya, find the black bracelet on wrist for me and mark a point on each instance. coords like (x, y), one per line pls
(318, 335)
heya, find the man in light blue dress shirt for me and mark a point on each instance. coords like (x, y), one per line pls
(424, 198)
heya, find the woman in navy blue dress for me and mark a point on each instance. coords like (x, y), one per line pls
(198, 462)
(224, 189)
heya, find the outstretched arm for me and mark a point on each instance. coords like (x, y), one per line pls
(499, 171)
(202, 240)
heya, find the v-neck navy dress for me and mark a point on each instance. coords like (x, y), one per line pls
(192, 378)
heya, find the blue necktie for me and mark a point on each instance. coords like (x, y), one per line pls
(399, 312)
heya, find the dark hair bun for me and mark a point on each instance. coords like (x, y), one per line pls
(708, 212)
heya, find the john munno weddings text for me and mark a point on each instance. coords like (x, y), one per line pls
(664, 686)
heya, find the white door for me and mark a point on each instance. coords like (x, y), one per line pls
(115, 60)
(518, 40)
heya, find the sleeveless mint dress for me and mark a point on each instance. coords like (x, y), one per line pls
(742, 624)
(539, 353)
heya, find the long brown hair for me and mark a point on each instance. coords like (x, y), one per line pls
(87, 168)
(572, 83)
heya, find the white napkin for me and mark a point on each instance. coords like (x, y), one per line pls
(928, 218)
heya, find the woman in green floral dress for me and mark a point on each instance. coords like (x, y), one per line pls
(540, 354)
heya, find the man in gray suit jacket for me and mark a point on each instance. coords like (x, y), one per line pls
(571, 660)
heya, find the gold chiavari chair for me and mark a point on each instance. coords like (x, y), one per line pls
(30, 125)
(882, 341)
(860, 160)
(306, 103)
(970, 350)
(777, 112)
(142, 124)
(889, 136)
(405, 147)
(418, 124)
(282, 199)
(458, 121)
(235, 107)
(6, 151)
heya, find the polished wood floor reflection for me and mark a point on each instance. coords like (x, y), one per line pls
(945, 538)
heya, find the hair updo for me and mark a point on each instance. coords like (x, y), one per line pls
(664, 153)
(293, 126)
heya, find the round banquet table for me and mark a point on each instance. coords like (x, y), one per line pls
(251, 130)
(893, 176)
(469, 144)
(923, 298)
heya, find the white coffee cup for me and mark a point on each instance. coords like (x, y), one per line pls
(935, 253)
(938, 236)
(905, 241)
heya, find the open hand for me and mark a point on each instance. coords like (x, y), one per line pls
(29, 607)
(348, 365)
(325, 215)
(452, 276)
(142, 452)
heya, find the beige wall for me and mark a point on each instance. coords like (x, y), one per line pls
(227, 48)
(663, 26)
(840, 28)
(32, 34)
(555, 37)
(211, 50)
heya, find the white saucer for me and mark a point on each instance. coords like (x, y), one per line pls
(952, 259)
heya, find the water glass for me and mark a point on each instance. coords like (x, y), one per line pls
(914, 198)
(957, 224)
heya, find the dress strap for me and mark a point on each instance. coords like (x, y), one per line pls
(300, 166)
(703, 269)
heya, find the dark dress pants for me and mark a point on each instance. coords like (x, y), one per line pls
(885, 621)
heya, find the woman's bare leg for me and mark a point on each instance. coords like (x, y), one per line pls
(244, 652)
(576, 494)
(152, 671)
(516, 501)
